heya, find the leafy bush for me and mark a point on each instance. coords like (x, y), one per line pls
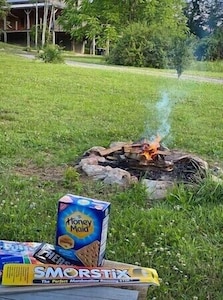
(155, 54)
(215, 45)
(141, 46)
(210, 48)
(129, 48)
(51, 54)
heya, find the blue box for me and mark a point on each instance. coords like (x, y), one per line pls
(82, 226)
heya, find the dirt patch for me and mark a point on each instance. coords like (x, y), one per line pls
(7, 115)
(54, 174)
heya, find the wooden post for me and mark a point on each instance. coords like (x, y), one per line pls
(53, 28)
(28, 11)
(51, 24)
(46, 8)
(5, 27)
(5, 23)
(36, 31)
(41, 22)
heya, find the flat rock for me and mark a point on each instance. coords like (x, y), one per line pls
(157, 189)
(91, 160)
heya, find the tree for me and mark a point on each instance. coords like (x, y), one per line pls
(105, 20)
(214, 45)
(196, 12)
(181, 54)
(73, 20)
(204, 16)
(147, 43)
(205, 20)
(4, 9)
(92, 20)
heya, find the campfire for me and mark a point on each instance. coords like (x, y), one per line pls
(147, 159)
(148, 154)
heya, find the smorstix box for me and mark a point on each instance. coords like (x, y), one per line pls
(82, 225)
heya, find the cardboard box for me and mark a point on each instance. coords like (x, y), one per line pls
(82, 225)
(17, 252)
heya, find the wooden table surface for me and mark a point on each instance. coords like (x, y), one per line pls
(83, 293)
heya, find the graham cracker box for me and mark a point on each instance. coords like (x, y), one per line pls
(82, 225)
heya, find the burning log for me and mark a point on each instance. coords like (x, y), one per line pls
(146, 154)
(152, 165)
(111, 150)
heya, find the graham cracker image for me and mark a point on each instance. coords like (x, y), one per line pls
(88, 254)
(66, 242)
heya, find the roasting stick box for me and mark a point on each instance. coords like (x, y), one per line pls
(24, 275)
(82, 225)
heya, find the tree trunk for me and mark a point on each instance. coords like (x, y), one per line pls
(93, 46)
(73, 46)
(83, 47)
(107, 46)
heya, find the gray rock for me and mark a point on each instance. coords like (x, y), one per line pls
(117, 176)
(96, 171)
(91, 160)
(157, 189)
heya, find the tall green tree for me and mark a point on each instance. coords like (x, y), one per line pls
(93, 20)
(205, 21)
(147, 42)
(107, 19)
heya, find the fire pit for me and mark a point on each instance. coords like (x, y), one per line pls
(149, 161)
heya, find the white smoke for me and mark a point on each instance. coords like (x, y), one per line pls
(159, 123)
(163, 110)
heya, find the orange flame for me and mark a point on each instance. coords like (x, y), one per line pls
(149, 150)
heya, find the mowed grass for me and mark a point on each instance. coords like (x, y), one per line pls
(51, 114)
(204, 69)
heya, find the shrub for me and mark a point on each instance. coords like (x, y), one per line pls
(140, 46)
(129, 48)
(51, 54)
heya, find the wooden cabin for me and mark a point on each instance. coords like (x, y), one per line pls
(19, 26)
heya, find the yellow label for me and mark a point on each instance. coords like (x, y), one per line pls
(17, 274)
(79, 225)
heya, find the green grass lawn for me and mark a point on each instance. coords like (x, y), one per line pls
(50, 114)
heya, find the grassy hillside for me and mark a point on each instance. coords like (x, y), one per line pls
(51, 114)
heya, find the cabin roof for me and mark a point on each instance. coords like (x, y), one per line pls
(31, 3)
